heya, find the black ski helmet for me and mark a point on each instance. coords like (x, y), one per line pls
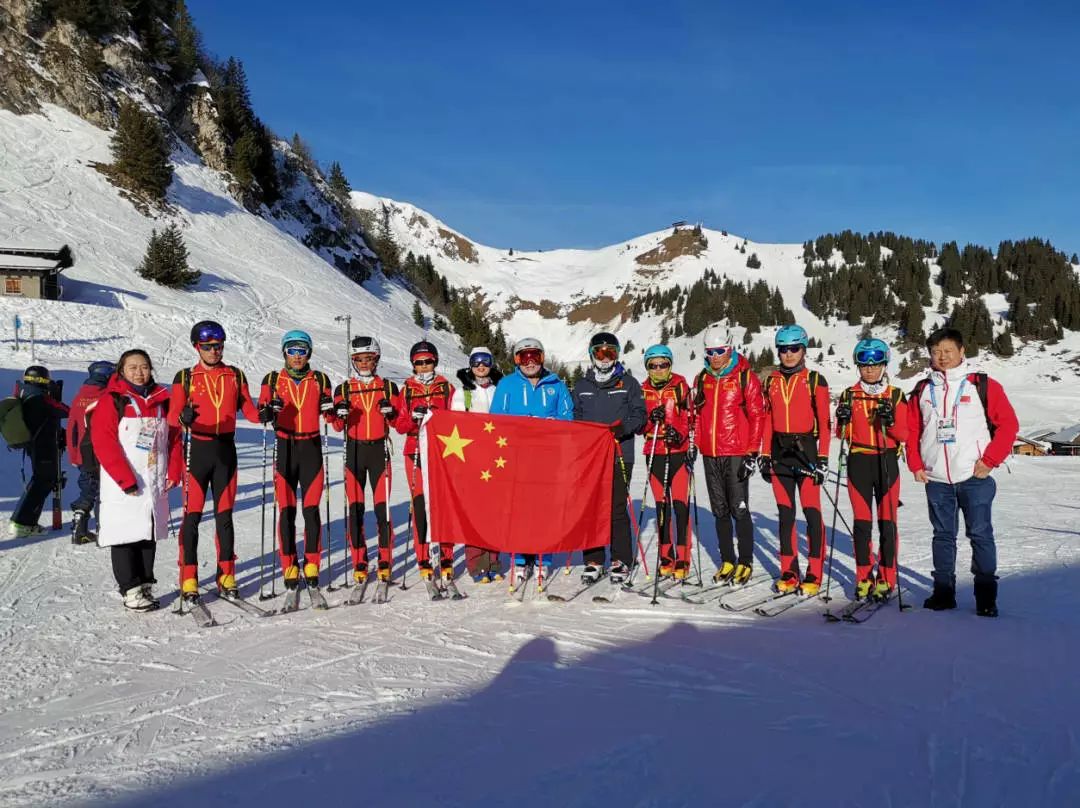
(604, 338)
(36, 374)
(423, 347)
(207, 331)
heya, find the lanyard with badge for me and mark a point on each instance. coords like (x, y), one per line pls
(147, 428)
(946, 424)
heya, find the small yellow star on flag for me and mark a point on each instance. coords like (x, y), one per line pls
(500, 462)
(488, 426)
(485, 475)
(454, 444)
(501, 443)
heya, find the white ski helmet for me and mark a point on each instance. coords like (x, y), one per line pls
(528, 343)
(717, 336)
(363, 345)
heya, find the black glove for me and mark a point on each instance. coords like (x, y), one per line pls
(342, 409)
(276, 404)
(326, 404)
(699, 398)
(672, 436)
(419, 412)
(266, 414)
(187, 415)
(387, 409)
(764, 467)
(691, 455)
(820, 471)
(747, 467)
(885, 413)
(843, 414)
(657, 416)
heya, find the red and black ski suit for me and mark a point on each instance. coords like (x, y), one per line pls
(669, 463)
(298, 457)
(217, 393)
(796, 439)
(435, 396)
(729, 415)
(874, 476)
(367, 458)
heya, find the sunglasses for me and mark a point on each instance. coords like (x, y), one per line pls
(658, 366)
(296, 350)
(783, 349)
(605, 352)
(530, 358)
(873, 356)
(211, 346)
(423, 363)
(718, 351)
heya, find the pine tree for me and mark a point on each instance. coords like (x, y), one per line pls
(244, 159)
(1003, 344)
(385, 246)
(626, 348)
(166, 260)
(185, 60)
(95, 17)
(417, 314)
(1075, 259)
(141, 153)
(339, 185)
(753, 262)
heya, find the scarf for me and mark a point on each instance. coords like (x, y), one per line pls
(792, 371)
(297, 375)
(877, 388)
(142, 390)
(425, 378)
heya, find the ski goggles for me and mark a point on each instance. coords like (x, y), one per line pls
(721, 351)
(210, 333)
(660, 364)
(530, 357)
(481, 359)
(211, 346)
(783, 349)
(424, 362)
(871, 356)
(605, 353)
(297, 350)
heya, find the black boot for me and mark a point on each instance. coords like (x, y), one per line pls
(986, 598)
(80, 529)
(944, 597)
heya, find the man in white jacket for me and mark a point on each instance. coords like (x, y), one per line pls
(961, 426)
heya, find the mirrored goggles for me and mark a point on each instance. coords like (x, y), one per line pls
(605, 353)
(871, 356)
(530, 357)
(296, 350)
(484, 359)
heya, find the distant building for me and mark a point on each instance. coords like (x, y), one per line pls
(1029, 447)
(33, 273)
(1065, 442)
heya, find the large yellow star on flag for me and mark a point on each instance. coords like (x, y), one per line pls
(454, 444)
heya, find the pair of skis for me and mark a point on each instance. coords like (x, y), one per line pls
(859, 611)
(204, 618)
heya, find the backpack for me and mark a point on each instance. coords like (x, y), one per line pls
(813, 379)
(744, 379)
(982, 387)
(896, 395)
(13, 426)
(185, 381)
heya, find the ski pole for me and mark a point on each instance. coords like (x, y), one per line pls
(894, 510)
(644, 494)
(346, 390)
(697, 526)
(386, 505)
(414, 530)
(836, 513)
(661, 527)
(634, 521)
(273, 512)
(183, 513)
(326, 498)
(262, 517)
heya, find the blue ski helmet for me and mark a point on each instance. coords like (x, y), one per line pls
(296, 337)
(792, 335)
(658, 352)
(871, 352)
(101, 370)
(207, 331)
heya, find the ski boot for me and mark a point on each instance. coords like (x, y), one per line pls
(80, 529)
(788, 582)
(227, 587)
(384, 574)
(882, 590)
(483, 577)
(619, 572)
(426, 572)
(944, 597)
(292, 576)
(742, 574)
(360, 574)
(667, 567)
(446, 570)
(986, 598)
(724, 574)
(682, 570)
(135, 600)
(592, 573)
(189, 586)
(25, 531)
(311, 575)
(810, 586)
(863, 589)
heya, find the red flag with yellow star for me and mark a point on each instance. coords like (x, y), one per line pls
(518, 484)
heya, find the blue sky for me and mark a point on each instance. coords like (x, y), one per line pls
(557, 124)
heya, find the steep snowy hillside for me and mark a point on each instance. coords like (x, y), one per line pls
(258, 279)
(563, 296)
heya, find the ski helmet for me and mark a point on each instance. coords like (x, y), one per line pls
(792, 335)
(366, 345)
(423, 349)
(871, 352)
(207, 331)
(101, 370)
(481, 355)
(296, 337)
(528, 343)
(36, 374)
(604, 340)
(658, 352)
(716, 336)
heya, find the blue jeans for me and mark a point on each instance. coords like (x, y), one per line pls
(974, 497)
(89, 483)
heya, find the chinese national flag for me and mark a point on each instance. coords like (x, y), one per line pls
(518, 484)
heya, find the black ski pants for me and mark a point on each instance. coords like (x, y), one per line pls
(211, 466)
(621, 546)
(133, 564)
(729, 501)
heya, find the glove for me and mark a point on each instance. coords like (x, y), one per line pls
(276, 404)
(843, 414)
(821, 471)
(885, 413)
(747, 467)
(672, 436)
(342, 409)
(187, 415)
(419, 413)
(326, 404)
(386, 408)
(764, 467)
(699, 398)
(266, 414)
(691, 455)
(657, 416)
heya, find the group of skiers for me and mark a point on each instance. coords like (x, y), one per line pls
(956, 426)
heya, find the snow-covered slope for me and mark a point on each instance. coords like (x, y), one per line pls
(258, 280)
(564, 296)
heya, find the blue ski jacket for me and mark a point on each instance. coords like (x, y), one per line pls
(515, 395)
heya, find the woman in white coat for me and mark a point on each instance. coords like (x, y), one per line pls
(140, 460)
